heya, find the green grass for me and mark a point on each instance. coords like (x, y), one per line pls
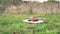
(14, 23)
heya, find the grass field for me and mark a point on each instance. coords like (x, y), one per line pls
(13, 24)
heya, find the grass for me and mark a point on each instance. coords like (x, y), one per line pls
(10, 23)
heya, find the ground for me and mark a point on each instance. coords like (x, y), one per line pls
(13, 23)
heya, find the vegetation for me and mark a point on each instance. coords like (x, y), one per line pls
(14, 23)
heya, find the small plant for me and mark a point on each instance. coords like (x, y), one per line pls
(30, 11)
(58, 32)
(5, 33)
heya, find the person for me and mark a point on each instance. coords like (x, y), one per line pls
(32, 19)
